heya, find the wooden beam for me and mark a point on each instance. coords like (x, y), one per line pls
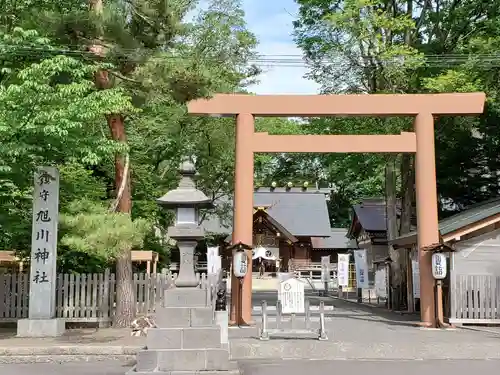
(339, 105)
(263, 142)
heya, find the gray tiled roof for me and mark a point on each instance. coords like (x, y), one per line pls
(371, 216)
(301, 213)
(337, 240)
(471, 215)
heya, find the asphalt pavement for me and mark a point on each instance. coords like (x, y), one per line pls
(278, 367)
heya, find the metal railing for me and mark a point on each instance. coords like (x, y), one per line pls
(281, 328)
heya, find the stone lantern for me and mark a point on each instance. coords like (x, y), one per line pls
(186, 200)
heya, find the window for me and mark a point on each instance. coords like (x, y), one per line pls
(186, 215)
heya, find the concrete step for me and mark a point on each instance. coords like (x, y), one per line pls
(184, 360)
(184, 338)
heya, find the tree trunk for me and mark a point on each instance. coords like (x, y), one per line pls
(392, 225)
(125, 296)
(408, 190)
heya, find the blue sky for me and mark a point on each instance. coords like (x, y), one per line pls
(271, 22)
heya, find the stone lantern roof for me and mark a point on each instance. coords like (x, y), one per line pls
(186, 194)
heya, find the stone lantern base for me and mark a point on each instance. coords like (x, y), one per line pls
(187, 340)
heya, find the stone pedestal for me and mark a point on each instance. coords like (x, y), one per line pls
(40, 327)
(187, 340)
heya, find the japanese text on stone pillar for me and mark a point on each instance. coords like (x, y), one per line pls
(44, 243)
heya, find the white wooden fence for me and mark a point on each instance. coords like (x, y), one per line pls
(475, 299)
(84, 297)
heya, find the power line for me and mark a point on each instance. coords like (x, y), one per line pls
(282, 60)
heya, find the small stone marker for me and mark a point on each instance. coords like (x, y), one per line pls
(43, 271)
(292, 296)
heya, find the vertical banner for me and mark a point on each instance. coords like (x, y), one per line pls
(416, 278)
(43, 272)
(381, 282)
(343, 269)
(361, 263)
(212, 260)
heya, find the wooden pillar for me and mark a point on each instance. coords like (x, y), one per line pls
(243, 215)
(427, 212)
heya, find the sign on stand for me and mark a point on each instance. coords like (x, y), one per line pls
(291, 302)
(283, 276)
(292, 296)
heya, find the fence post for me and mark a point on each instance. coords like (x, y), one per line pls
(263, 331)
(308, 313)
(104, 305)
(278, 314)
(322, 331)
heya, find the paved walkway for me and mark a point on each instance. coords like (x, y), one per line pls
(355, 332)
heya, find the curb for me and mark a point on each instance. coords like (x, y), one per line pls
(83, 350)
(62, 354)
(479, 329)
(28, 359)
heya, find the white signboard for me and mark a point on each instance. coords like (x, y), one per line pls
(381, 282)
(416, 278)
(212, 260)
(292, 296)
(43, 270)
(343, 269)
(361, 263)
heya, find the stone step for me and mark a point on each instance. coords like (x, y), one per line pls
(184, 360)
(184, 338)
(180, 317)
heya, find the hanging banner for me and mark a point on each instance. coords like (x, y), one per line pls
(343, 269)
(381, 282)
(416, 278)
(213, 263)
(361, 263)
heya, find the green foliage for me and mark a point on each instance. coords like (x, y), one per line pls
(373, 46)
(52, 114)
(92, 229)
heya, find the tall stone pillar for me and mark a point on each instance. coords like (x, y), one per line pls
(42, 321)
(187, 339)
(427, 212)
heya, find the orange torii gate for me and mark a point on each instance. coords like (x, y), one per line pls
(423, 107)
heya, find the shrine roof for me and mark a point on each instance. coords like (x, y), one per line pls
(301, 213)
(337, 240)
